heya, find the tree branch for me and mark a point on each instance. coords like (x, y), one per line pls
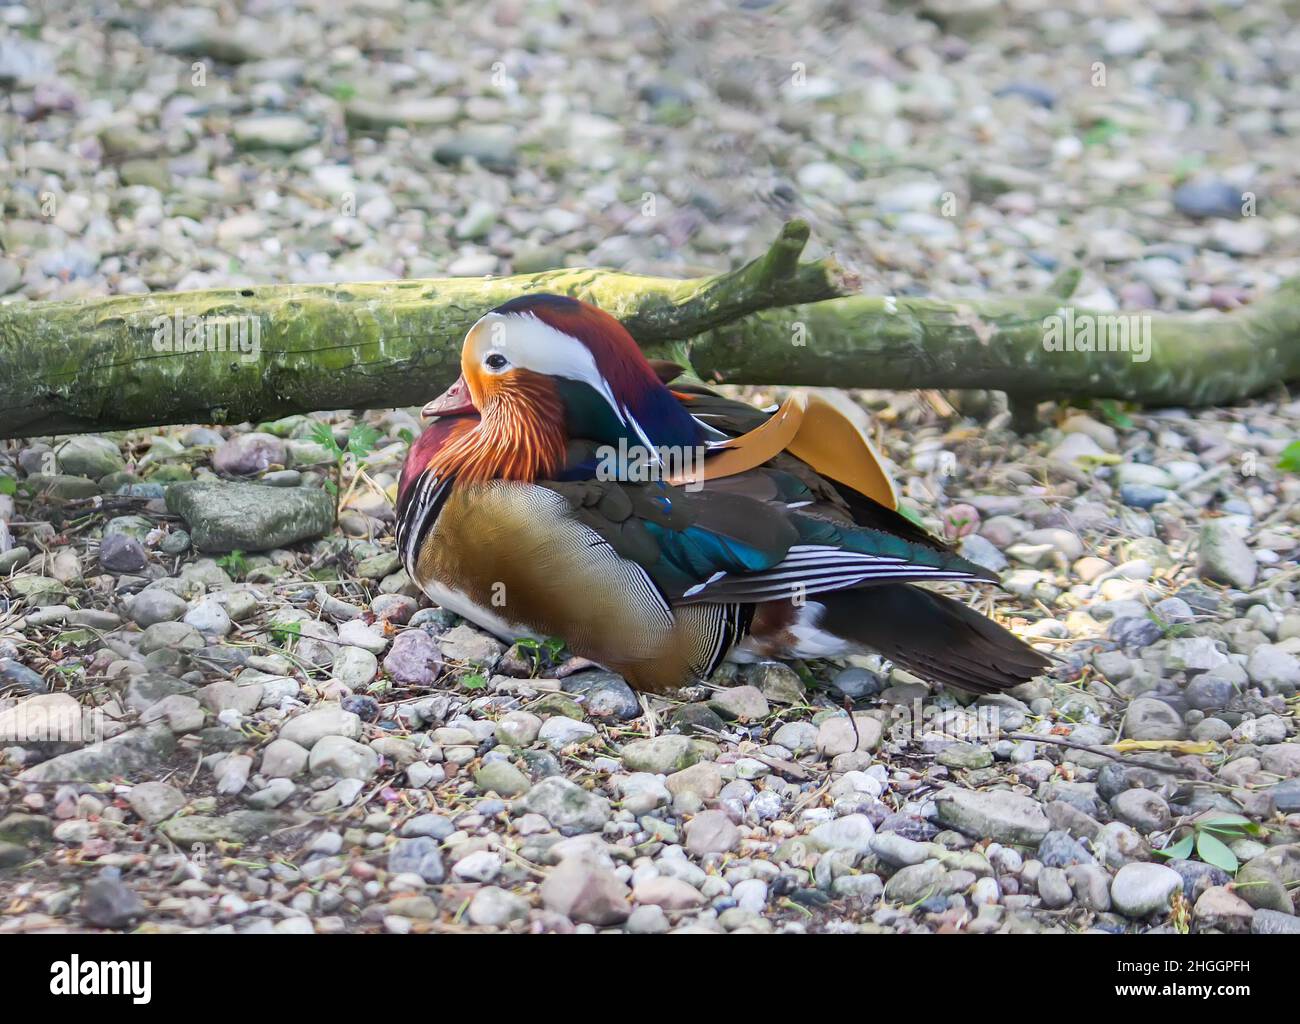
(67, 367)
(872, 342)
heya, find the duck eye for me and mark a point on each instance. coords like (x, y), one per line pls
(495, 361)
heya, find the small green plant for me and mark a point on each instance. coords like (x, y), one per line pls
(1113, 413)
(1173, 630)
(1186, 166)
(476, 681)
(283, 631)
(1207, 837)
(361, 441)
(1102, 132)
(549, 649)
(8, 485)
(234, 563)
(1290, 460)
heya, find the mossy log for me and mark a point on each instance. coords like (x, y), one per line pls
(235, 354)
(1032, 348)
(100, 364)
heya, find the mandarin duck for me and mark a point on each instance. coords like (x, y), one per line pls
(565, 488)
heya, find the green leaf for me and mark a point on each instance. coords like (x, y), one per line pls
(323, 436)
(362, 439)
(474, 682)
(1236, 831)
(1111, 411)
(284, 630)
(1290, 459)
(1179, 850)
(406, 435)
(234, 563)
(1222, 819)
(8, 485)
(1213, 851)
(1066, 283)
(1101, 132)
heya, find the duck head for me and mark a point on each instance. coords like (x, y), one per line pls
(608, 388)
(542, 369)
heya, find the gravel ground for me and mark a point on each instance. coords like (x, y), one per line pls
(292, 742)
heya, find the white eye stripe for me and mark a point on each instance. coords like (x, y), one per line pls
(530, 343)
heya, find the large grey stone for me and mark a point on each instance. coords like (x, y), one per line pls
(225, 516)
(235, 827)
(996, 814)
(134, 751)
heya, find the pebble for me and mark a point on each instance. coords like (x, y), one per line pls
(585, 892)
(414, 659)
(661, 755)
(155, 801)
(1003, 816)
(493, 907)
(711, 832)
(106, 902)
(1208, 198)
(152, 606)
(354, 667)
(915, 883)
(419, 856)
(1140, 889)
(837, 735)
(668, 893)
(479, 866)
(312, 726)
(1151, 719)
(1145, 810)
(568, 807)
(118, 554)
(852, 832)
(340, 757)
(1054, 888)
(1274, 670)
(501, 778)
(558, 732)
(740, 703)
(1223, 557)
